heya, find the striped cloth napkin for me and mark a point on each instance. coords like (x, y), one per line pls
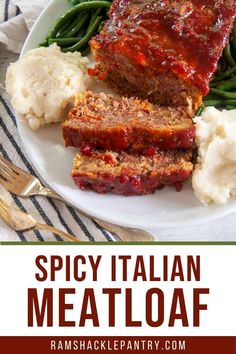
(16, 18)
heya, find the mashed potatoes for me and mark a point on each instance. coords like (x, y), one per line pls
(214, 178)
(44, 82)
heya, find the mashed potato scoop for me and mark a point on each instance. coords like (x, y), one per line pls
(43, 84)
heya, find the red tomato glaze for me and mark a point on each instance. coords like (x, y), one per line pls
(183, 37)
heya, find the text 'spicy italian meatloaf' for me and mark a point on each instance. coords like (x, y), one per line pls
(103, 121)
(130, 174)
(164, 50)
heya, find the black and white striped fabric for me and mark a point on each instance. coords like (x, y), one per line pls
(8, 10)
(16, 19)
(45, 210)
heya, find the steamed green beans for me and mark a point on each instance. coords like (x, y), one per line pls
(223, 86)
(74, 11)
(225, 75)
(78, 26)
(227, 85)
(73, 30)
(220, 103)
(224, 94)
(63, 42)
(85, 39)
(228, 55)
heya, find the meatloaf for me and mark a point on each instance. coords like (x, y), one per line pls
(130, 174)
(164, 50)
(103, 121)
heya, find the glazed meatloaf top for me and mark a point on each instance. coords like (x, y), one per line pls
(183, 37)
(103, 121)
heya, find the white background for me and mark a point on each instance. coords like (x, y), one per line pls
(218, 264)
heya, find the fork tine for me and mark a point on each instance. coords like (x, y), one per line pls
(6, 185)
(13, 167)
(7, 171)
(5, 176)
(5, 165)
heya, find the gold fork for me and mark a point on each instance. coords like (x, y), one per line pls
(20, 221)
(23, 184)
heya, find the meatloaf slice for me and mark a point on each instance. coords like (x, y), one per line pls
(164, 50)
(129, 174)
(103, 121)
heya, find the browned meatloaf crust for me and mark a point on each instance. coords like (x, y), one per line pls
(102, 121)
(164, 50)
(129, 174)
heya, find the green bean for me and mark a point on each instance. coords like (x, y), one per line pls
(224, 94)
(223, 86)
(93, 18)
(86, 38)
(228, 56)
(62, 42)
(225, 75)
(44, 44)
(66, 27)
(227, 85)
(100, 27)
(80, 23)
(75, 2)
(74, 11)
(69, 26)
(199, 111)
(211, 96)
(229, 108)
(224, 65)
(220, 103)
(218, 70)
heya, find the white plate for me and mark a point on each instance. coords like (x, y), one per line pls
(45, 148)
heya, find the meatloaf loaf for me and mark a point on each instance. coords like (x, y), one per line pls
(130, 174)
(164, 50)
(103, 121)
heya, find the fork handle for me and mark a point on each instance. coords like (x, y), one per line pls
(124, 233)
(54, 230)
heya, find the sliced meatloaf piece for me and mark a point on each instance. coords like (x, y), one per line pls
(130, 174)
(164, 50)
(102, 121)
